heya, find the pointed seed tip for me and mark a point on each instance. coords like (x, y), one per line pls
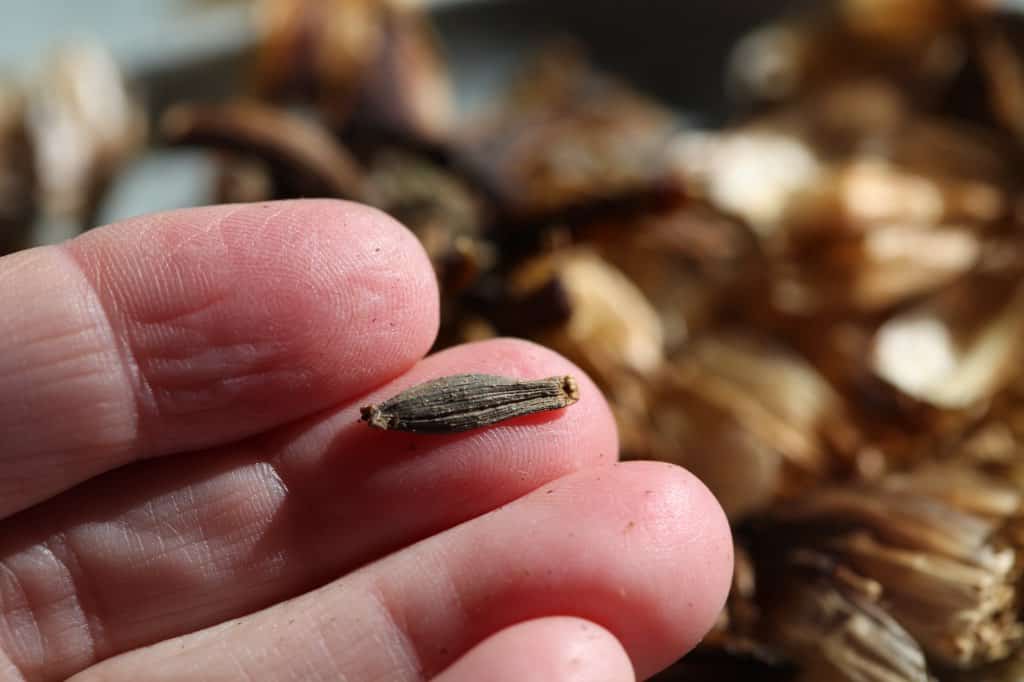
(570, 387)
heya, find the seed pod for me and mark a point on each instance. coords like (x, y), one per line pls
(469, 401)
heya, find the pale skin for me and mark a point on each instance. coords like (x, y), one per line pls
(186, 490)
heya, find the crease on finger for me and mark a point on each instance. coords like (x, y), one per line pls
(132, 379)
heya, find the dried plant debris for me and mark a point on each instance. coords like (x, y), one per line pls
(440, 207)
(942, 353)
(372, 63)
(319, 51)
(818, 308)
(469, 401)
(303, 158)
(18, 204)
(942, 563)
(566, 138)
(832, 623)
(761, 410)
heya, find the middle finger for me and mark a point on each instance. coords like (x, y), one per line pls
(167, 547)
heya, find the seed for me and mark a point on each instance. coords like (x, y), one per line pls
(469, 401)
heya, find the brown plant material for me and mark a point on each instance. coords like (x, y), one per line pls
(305, 160)
(566, 137)
(405, 90)
(371, 62)
(316, 50)
(439, 207)
(18, 203)
(611, 326)
(944, 354)
(775, 394)
(914, 43)
(817, 309)
(943, 572)
(686, 258)
(831, 620)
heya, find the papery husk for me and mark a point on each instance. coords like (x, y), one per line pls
(945, 570)
(567, 136)
(611, 326)
(829, 618)
(752, 420)
(862, 204)
(745, 474)
(685, 258)
(778, 397)
(85, 125)
(944, 354)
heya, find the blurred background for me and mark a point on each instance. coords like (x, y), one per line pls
(172, 50)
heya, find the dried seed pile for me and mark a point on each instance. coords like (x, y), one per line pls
(819, 309)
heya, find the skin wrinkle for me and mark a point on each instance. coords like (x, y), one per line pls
(113, 422)
(167, 319)
(400, 647)
(83, 595)
(180, 402)
(214, 225)
(31, 344)
(252, 526)
(241, 670)
(130, 373)
(24, 606)
(323, 643)
(446, 586)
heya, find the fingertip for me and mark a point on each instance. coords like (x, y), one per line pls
(556, 649)
(693, 534)
(658, 544)
(373, 289)
(687, 547)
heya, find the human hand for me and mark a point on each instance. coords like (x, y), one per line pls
(182, 466)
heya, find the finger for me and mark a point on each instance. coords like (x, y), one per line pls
(170, 546)
(191, 328)
(641, 549)
(555, 649)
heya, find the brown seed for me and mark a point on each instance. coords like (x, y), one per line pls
(469, 401)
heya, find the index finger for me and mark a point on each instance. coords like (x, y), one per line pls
(188, 329)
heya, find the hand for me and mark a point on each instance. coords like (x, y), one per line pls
(182, 466)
